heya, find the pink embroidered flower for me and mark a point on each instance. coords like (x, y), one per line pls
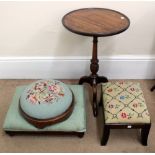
(45, 92)
(124, 115)
(32, 99)
(51, 88)
(110, 90)
(54, 88)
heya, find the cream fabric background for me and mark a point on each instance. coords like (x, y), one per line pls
(35, 29)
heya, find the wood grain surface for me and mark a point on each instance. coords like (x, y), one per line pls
(96, 22)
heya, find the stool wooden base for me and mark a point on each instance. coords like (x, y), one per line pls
(144, 125)
(41, 123)
(54, 133)
(144, 129)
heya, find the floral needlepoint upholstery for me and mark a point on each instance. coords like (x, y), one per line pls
(124, 103)
(45, 99)
(75, 123)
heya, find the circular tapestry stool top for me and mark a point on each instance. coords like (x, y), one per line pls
(46, 102)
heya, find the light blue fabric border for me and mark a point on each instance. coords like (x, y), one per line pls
(75, 123)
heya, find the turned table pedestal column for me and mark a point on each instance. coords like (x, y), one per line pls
(93, 79)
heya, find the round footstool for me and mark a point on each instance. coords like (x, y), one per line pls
(46, 102)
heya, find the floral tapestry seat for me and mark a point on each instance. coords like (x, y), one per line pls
(75, 124)
(46, 102)
(124, 104)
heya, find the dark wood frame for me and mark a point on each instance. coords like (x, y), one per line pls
(41, 123)
(46, 122)
(54, 133)
(93, 79)
(145, 128)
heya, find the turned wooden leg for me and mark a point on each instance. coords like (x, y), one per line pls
(144, 134)
(100, 102)
(80, 134)
(101, 97)
(94, 79)
(105, 136)
(153, 88)
(95, 107)
(10, 133)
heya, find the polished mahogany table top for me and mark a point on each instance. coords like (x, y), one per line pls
(96, 22)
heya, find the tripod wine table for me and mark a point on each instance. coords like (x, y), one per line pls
(95, 22)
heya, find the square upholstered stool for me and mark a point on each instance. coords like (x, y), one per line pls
(124, 107)
(76, 124)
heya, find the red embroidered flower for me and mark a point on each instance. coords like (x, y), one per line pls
(135, 105)
(123, 115)
(45, 92)
(111, 106)
(33, 98)
(61, 94)
(110, 90)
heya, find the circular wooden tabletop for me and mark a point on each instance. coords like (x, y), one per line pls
(96, 22)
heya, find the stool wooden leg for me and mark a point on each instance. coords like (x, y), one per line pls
(144, 134)
(101, 98)
(153, 88)
(10, 133)
(105, 136)
(80, 134)
(100, 103)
